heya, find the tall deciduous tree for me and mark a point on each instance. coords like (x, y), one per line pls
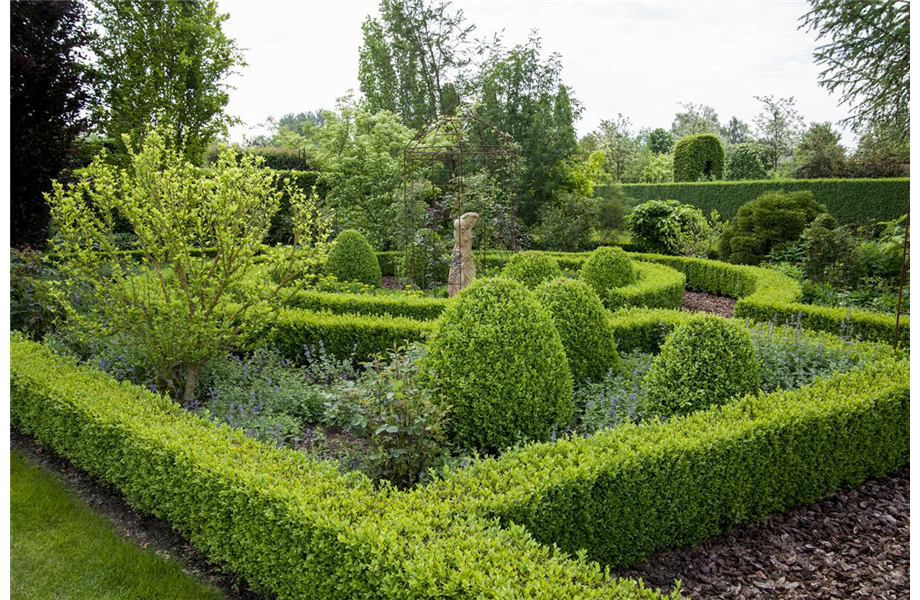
(820, 153)
(360, 153)
(866, 59)
(166, 62)
(660, 141)
(619, 145)
(736, 132)
(694, 119)
(522, 94)
(779, 125)
(413, 58)
(49, 89)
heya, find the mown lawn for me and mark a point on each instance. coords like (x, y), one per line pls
(61, 549)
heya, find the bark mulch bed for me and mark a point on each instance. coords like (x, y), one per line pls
(709, 303)
(855, 544)
(144, 530)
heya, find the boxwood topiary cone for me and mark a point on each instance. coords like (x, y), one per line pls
(608, 267)
(703, 363)
(532, 268)
(583, 325)
(352, 259)
(498, 361)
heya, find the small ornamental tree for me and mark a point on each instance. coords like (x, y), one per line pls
(772, 220)
(699, 157)
(176, 303)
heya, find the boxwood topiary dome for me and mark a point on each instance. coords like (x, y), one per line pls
(703, 363)
(532, 268)
(498, 361)
(584, 326)
(608, 267)
(352, 259)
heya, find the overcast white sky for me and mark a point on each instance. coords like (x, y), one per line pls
(636, 58)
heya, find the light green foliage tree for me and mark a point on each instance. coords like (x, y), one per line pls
(360, 153)
(413, 59)
(165, 62)
(779, 126)
(177, 304)
(659, 169)
(660, 141)
(695, 119)
(522, 95)
(820, 153)
(747, 161)
(736, 132)
(866, 60)
(619, 144)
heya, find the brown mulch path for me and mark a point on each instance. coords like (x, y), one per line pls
(855, 544)
(709, 303)
(144, 530)
(390, 282)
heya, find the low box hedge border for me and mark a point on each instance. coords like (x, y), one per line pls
(293, 331)
(658, 286)
(625, 494)
(763, 295)
(421, 309)
(299, 528)
(290, 526)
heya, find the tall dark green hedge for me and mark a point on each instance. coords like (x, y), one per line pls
(849, 200)
(699, 156)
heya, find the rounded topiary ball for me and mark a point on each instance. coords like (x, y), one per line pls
(532, 268)
(608, 267)
(498, 361)
(352, 259)
(581, 321)
(703, 363)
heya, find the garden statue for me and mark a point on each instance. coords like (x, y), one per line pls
(462, 267)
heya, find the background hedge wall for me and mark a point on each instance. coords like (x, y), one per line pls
(850, 200)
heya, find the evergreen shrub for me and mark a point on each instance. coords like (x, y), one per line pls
(531, 268)
(352, 259)
(608, 267)
(697, 157)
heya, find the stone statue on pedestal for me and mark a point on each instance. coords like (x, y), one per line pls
(462, 267)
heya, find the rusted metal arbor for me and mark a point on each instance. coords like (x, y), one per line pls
(446, 154)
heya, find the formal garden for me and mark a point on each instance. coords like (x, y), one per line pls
(410, 371)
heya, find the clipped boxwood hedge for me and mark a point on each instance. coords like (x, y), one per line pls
(342, 335)
(290, 526)
(699, 155)
(422, 309)
(626, 493)
(657, 286)
(849, 200)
